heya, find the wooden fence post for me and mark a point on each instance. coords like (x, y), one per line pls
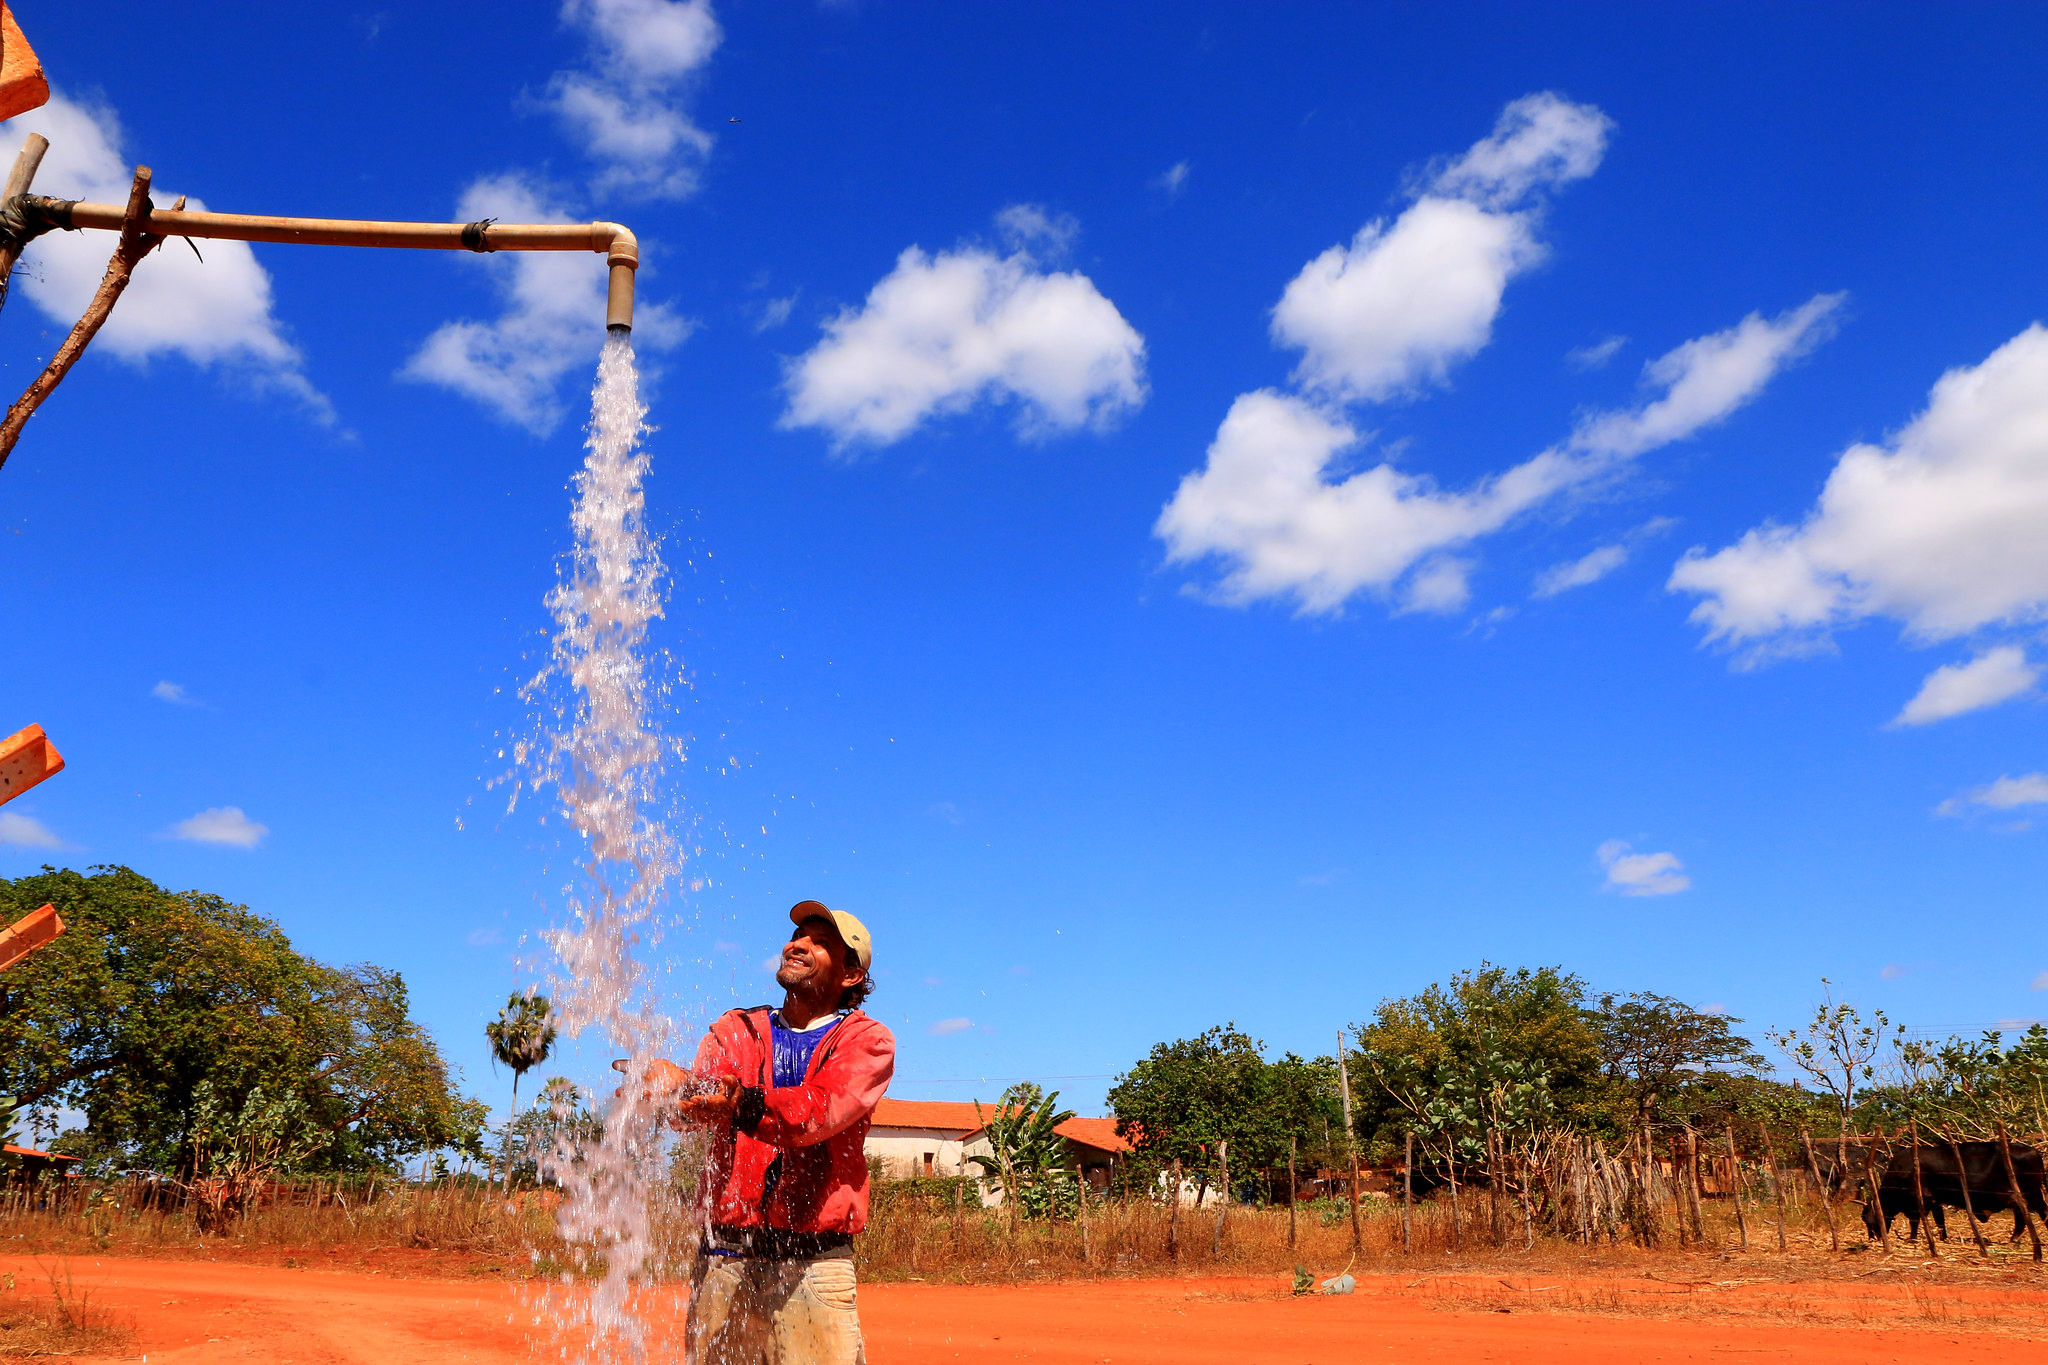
(1820, 1189)
(1884, 1231)
(1407, 1191)
(1920, 1189)
(1222, 1197)
(1173, 1217)
(2019, 1199)
(1291, 1188)
(1969, 1210)
(1735, 1184)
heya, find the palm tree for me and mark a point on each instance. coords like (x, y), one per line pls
(521, 1036)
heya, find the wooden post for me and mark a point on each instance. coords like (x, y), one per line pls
(1884, 1232)
(18, 180)
(1087, 1251)
(1735, 1184)
(1920, 1189)
(2019, 1199)
(134, 245)
(1222, 1197)
(1457, 1214)
(1493, 1180)
(1692, 1185)
(1291, 1188)
(1173, 1217)
(1777, 1179)
(1969, 1210)
(1350, 1143)
(1683, 1164)
(1407, 1191)
(1820, 1188)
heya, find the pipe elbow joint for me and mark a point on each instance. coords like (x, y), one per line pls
(620, 247)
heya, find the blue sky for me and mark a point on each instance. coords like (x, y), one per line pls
(1178, 513)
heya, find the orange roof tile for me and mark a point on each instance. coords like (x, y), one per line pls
(946, 1114)
(1097, 1133)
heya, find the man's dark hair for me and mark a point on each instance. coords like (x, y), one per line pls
(853, 996)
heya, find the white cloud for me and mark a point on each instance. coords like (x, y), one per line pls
(947, 811)
(1891, 971)
(1596, 355)
(2007, 793)
(1539, 141)
(947, 1027)
(775, 312)
(1394, 309)
(221, 825)
(1641, 874)
(1172, 178)
(1263, 504)
(1389, 315)
(215, 313)
(22, 831)
(1997, 675)
(2040, 982)
(943, 332)
(174, 693)
(626, 106)
(484, 938)
(1588, 568)
(1708, 378)
(552, 325)
(1938, 528)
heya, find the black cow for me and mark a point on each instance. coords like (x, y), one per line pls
(1942, 1182)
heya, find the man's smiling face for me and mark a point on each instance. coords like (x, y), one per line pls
(815, 959)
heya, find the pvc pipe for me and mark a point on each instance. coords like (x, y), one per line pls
(621, 249)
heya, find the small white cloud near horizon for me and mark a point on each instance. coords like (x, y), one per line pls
(484, 938)
(225, 825)
(2040, 982)
(217, 313)
(1992, 678)
(24, 831)
(2006, 793)
(947, 1027)
(1891, 971)
(1641, 874)
(944, 332)
(1937, 527)
(174, 693)
(1596, 355)
(626, 106)
(548, 330)
(1172, 178)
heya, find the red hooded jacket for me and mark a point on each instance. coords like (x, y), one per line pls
(793, 1157)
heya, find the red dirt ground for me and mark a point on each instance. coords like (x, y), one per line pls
(199, 1312)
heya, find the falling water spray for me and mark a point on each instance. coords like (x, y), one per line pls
(603, 754)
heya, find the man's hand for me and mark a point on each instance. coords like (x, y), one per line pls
(680, 1096)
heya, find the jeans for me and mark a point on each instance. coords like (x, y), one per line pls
(754, 1311)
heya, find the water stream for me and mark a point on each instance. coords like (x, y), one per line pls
(601, 755)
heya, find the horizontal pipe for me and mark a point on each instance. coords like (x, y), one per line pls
(621, 249)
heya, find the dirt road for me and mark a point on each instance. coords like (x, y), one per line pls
(200, 1312)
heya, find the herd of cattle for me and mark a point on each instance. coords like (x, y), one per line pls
(1966, 1175)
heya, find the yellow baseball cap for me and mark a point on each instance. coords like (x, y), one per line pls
(851, 931)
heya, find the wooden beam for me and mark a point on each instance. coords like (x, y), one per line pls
(26, 758)
(27, 934)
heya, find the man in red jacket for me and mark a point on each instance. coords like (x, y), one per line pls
(787, 1094)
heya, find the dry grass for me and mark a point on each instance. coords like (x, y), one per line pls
(62, 1322)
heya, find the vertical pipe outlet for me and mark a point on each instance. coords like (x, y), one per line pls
(623, 256)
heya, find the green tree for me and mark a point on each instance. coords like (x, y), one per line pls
(150, 994)
(522, 1036)
(1462, 1048)
(1838, 1049)
(1652, 1048)
(1189, 1096)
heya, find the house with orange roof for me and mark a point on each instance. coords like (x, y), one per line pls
(936, 1137)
